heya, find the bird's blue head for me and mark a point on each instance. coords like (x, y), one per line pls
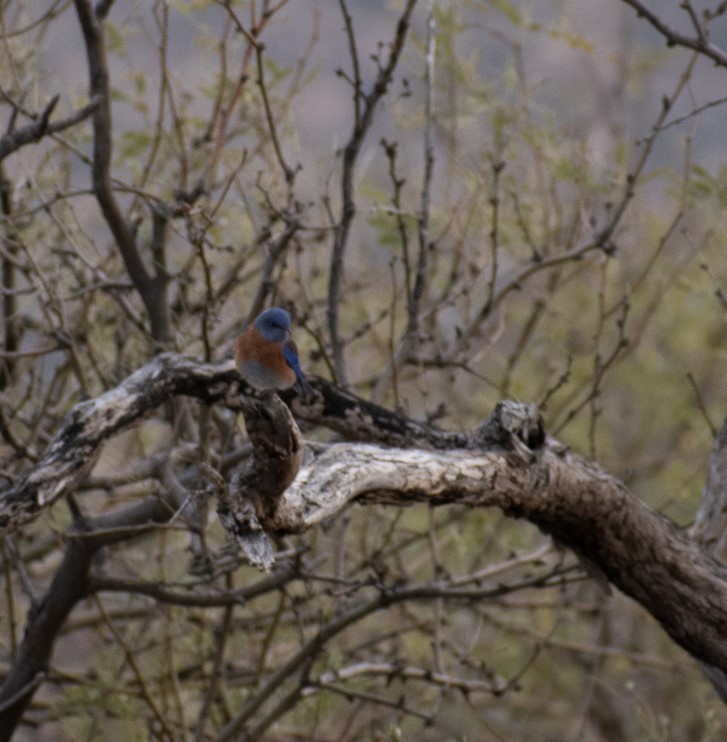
(273, 324)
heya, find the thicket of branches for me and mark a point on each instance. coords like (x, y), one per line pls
(509, 208)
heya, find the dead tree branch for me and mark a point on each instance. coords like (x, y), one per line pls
(507, 462)
(73, 450)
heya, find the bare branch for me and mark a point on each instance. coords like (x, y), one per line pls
(34, 132)
(288, 171)
(68, 587)
(700, 44)
(152, 289)
(513, 468)
(274, 250)
(641, 552)
(394, 672)
(409, 339)
(348, 206)
(73, 450)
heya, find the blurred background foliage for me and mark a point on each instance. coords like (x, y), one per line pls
(541, 115)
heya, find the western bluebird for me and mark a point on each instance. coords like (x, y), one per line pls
(266, 355)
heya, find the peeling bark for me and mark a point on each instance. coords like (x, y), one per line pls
(73, 450)
(507, 462)
(641, 552)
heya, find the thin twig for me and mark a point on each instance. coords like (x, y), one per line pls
(415, 294)
(348, 205)
(34, 132)
(673, 38)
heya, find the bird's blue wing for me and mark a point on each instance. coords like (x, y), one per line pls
(290, 353)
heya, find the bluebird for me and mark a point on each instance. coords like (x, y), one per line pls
(266, 355)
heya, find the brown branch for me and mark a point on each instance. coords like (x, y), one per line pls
(151, 288)
(69, 586)
(357, 419)
(8, 280)
(73, 450)
(257, 486)
(708, 530)
(274, 251)
(415, 294)
(288, 171)
(673, 38)
(42, 127)
(641, 552)
(362, 123)
(507, 462)
(222, 634)
(195, 598)
(353, 52)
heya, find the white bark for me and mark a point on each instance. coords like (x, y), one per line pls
(348, 471)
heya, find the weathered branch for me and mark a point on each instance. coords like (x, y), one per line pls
(257, 486)
(709, 530)
(507, 463)
(73, 450)
(641, 552)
